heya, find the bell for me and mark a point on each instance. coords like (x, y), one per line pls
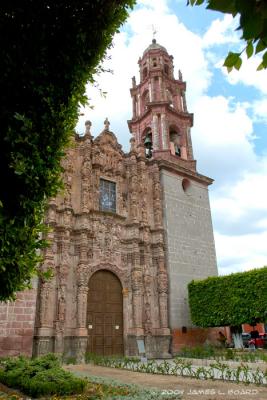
(148, 141)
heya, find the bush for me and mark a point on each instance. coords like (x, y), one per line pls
(206, 351)
(229, 300)
(39, 377)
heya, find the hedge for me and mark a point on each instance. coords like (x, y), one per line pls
(229, 300)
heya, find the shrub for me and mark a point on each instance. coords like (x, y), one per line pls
(40, 377)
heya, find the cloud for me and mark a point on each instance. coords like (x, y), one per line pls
(248, 74)
(259, 108)
(221, 31)
(222, 138)
(241, 253)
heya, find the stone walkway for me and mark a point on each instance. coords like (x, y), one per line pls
(193, 389)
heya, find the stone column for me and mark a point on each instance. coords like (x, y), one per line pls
(133, 197)
(164, 131)
(189, 143)
(134, 106)
(161, 98)
(150, 90)
(47, 288)
(163, 295)
(138, 105)
(63, 272)
(137, 297)
(157, 201)
(137, 288)
(82, 278)
(82, 306)
(147, 296)
(184, 101)
(155, 132)
(86, 174)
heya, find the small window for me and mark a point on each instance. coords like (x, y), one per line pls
(107, 196)
(186, 185)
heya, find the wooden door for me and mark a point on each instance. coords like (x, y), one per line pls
(105, 314)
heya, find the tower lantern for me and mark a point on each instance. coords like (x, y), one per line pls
(160, 119)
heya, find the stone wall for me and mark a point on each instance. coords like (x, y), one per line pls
(189, 240)
(17, 324)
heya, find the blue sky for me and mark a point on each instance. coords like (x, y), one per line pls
(230, 116)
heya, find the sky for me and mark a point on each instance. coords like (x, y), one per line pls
(230, 115)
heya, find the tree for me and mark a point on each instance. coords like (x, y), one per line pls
(49, 50)
(229, 300)
(252, 24)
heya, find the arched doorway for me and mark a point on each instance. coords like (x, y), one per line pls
(105, 314)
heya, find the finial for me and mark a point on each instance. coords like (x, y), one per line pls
(180, 75)
(106, 124)
(133, 81)
(88, 125)
(154, 31)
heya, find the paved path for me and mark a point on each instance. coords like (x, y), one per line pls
(193, 389)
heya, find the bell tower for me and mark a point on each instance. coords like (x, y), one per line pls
(161, 123)
(160, 118)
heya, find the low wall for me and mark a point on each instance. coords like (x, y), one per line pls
(17, 324)
(194, 337)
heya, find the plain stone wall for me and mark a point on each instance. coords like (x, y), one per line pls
(189, 239)
(17, 320)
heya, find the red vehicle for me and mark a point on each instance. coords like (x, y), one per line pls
(258, 341)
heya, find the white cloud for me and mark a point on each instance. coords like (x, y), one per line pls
(222, 138)
(248, 74)
(221, 31)
(241, 253)
(260, 110)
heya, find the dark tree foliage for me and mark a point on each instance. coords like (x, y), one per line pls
(229, 300)
(252, 25)
(49, 50)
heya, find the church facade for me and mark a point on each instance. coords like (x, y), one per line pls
(128, 234)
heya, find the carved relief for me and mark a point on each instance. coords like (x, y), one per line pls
(89, 240)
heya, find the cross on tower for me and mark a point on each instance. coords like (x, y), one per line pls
(154, 31)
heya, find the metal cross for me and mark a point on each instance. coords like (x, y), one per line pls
(154, 31)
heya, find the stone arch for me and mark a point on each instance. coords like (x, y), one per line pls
(145, 100)
(147, 139)
(175, 140)
(121, 275)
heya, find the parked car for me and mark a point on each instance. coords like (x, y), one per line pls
(263, 336)
(246, 337)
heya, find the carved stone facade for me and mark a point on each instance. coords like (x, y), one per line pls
(129, 243)
(139, 222)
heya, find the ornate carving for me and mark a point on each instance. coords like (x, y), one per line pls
(137, 276)
(162, 281)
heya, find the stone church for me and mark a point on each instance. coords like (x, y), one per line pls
(128, 234)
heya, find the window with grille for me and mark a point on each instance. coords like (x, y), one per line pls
(107, 196)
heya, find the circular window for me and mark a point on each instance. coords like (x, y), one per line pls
(186, 185)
